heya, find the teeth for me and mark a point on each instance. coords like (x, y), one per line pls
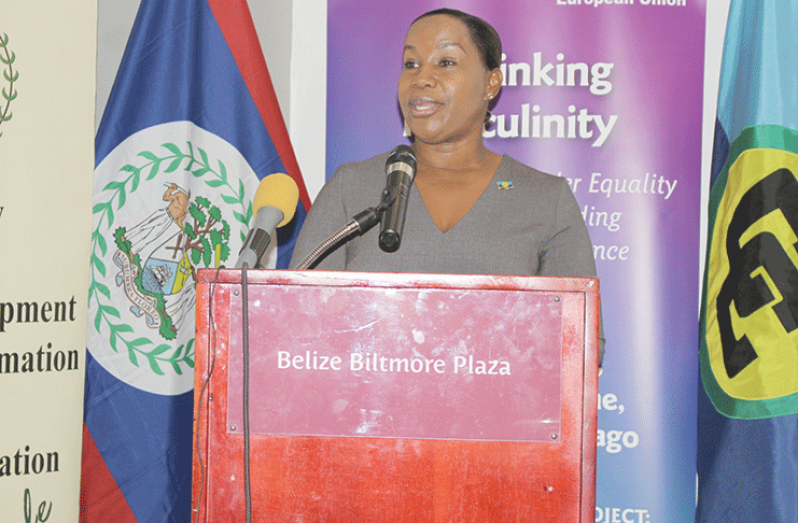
(422, 106)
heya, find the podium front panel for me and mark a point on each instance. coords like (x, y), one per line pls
(410, 363)
(397, 398)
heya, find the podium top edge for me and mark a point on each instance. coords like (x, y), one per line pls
(401, 280)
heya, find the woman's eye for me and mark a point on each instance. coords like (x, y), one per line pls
(410, 64)
(447, 63)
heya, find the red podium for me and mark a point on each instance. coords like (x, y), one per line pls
(380, 397)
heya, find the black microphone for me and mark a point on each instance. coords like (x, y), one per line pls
(400, 169)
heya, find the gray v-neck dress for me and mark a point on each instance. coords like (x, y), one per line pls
(533, 228)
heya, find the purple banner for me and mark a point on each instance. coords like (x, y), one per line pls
(404, 363)
(609, 96)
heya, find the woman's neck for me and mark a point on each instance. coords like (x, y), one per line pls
(457, 158)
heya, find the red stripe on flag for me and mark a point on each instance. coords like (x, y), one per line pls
(235, 21)
(100, 498)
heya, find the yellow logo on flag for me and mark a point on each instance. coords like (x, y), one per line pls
(752, 279)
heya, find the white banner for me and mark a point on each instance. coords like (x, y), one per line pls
(47, 86)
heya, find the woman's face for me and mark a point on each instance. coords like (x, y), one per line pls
(444, 86)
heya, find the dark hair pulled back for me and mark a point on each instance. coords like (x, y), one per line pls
(484, 36)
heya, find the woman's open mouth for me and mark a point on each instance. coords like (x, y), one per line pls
(422, 106)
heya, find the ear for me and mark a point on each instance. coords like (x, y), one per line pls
(494, 83)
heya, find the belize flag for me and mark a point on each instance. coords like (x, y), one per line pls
(748, 405)
(191, 126)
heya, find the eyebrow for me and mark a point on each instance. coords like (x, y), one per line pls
(441, 45)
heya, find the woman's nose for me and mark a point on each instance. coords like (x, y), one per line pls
(425, 76)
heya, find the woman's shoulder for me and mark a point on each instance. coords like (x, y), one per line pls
(373, 167)
(357, 183)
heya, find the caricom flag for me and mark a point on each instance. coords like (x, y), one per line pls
(749, 352)
(191, 126)
(748, 405)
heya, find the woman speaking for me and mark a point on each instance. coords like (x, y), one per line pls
(470, 210)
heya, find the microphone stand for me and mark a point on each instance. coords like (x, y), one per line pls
(360, 224)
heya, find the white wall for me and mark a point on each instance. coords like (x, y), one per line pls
(308, 123)
(717, 11)
(114, 21)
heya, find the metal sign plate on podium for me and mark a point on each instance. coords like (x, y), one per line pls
(379, 397)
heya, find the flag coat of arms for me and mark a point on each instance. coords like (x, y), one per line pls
(748, 404)
(191, 126)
